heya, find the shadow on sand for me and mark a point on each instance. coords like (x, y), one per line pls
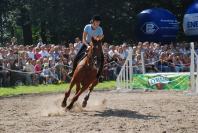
(124, 113)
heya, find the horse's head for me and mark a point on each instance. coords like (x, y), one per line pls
(97, 46)
(95, 41)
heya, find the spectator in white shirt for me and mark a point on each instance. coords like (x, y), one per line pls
(43, 52)
(29, 67)
(77, 44)
(113, 54)
(124, 50)
(30, 53)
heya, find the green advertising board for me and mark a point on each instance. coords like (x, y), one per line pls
(161, 81)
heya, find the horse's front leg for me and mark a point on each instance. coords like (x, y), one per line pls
(67, 94)
(84, 104)
(75, 98)
(77, 88)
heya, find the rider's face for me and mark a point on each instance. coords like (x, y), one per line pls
(96, 24)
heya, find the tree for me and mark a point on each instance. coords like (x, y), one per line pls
(63, 20)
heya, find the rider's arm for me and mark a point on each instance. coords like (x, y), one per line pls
(84, 38)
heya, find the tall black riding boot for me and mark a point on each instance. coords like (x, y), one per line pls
(78, 57)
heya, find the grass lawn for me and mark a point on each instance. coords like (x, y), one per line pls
(11, 91)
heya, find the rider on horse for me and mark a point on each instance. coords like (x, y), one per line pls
(92, 30)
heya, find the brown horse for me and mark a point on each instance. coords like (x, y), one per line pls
(85, 75)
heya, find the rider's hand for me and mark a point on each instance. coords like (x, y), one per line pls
(88, 46)
(96, 38)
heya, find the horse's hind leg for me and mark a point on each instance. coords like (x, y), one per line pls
(67, 93)
(84, 104)
(75, 98)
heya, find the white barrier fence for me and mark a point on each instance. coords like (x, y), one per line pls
(194, 70)
(124, 79)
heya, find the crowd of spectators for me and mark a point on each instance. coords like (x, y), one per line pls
(46, 64)
(162, 58)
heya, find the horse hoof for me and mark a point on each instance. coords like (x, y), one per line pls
(84, 104)
(69, 107)
(63, 104)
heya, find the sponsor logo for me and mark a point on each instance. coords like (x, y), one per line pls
(193, 24)
(158, 79)
(149, 28)
(190, 24)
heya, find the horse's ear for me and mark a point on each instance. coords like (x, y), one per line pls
(102, 39)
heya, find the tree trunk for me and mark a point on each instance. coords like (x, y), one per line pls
(1, 31)
(27, 33)
(54, 38)
(43, 32)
